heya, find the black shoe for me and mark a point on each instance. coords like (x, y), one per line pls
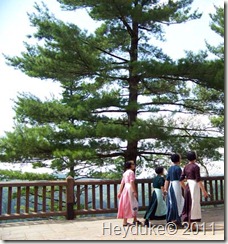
(128, 224)
(147, 223)
(180, 226)
(137, 222)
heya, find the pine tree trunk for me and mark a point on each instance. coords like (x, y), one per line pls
(132, 145)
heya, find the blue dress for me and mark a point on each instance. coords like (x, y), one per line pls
(157, 206)
(174, 200)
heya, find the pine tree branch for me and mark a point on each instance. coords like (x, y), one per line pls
(140, 153)
(106, 52)
(110, 155)
(176, 104)
(109, 111)
(122, 18)
(168, 110)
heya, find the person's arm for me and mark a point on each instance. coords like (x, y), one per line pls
(183, 184)
(121, 189)
(132, 182)
(200, 183)
(166, 187)
(167, 181)
(162, 184)
(133, 187)
(163, 190)
(205, 194)
(182, 178)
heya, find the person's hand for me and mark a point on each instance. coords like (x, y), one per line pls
(119, 194)
(205, 194)
(135, 194)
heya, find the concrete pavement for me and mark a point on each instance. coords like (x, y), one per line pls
(105, 228)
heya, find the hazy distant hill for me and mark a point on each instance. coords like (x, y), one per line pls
(215, 168)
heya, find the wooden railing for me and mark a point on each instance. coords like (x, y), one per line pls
(70, 198)
(32, 199)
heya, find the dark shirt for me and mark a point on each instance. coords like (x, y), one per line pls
(174, 173)
(191, 171)
(158, 182)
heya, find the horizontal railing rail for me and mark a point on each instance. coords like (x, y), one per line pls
(71, 198)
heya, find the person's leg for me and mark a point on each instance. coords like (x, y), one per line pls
(147, 223)
(124, 221)
(150, 212)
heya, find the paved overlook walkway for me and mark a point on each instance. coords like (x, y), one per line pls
(97, 228)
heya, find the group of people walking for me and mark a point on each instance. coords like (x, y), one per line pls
(167, 201)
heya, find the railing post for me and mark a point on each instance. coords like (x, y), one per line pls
(70, 198)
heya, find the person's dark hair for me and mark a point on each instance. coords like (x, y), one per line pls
(175, 158)
(159, 170)
(128, 164)
(191, 156)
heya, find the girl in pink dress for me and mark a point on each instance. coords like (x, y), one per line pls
(128, 204)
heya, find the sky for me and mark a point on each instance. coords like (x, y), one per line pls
(15, 25)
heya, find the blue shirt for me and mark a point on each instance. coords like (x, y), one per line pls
(174, 173)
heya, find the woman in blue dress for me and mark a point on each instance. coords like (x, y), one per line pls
(174, 199)
(157, 207)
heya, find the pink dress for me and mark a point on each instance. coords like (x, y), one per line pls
(128, 204)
